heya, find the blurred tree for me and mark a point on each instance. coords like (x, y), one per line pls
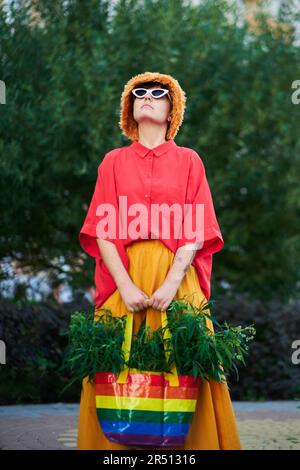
(65, 64)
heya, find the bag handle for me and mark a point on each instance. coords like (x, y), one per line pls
(172, 376)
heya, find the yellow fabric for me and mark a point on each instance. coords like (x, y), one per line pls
(214, 425)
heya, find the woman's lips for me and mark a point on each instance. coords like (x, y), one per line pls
(147, 105)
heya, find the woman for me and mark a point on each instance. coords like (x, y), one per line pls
(142, 271)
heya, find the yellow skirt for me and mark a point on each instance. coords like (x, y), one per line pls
(214, 425)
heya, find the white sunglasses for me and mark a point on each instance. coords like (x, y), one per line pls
(155, 92)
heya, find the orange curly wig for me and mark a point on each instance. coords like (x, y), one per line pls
(127, 123)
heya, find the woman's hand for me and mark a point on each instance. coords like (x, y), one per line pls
(133, 297)
(163, 296)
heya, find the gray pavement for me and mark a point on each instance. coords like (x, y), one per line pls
(262, 425)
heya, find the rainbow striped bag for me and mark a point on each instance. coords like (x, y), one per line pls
(144, 408)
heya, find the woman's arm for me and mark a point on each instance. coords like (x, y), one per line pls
(183, 258)
(113, 262)
(164, 295)
(133, 297)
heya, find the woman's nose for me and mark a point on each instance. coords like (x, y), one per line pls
(148, 95)
(147, 100)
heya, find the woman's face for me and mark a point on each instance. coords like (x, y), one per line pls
(151, 109)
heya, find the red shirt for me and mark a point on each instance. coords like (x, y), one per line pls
(166, 174)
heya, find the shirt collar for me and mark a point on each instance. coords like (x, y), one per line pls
(157, 151)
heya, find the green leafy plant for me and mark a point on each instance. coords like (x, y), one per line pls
(95, 344)
(201, 351)
(147, 351)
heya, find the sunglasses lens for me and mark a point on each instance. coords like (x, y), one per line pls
(157, 93)
(140, 93)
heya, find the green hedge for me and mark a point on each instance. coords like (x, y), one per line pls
(270, 373)
(35, 348)
(34, 351)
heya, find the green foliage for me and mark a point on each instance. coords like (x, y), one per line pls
(201, 351)
(96, 344)
(64, 75)
(147, 350)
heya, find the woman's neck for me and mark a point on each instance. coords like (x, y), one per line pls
(152, 136)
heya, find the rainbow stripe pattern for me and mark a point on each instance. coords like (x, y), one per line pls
(145, 411)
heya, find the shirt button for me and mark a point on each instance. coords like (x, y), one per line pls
(146, 195)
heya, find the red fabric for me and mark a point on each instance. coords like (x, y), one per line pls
(166, 174)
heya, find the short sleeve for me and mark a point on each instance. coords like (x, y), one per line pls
(199, 203)
(103, 206)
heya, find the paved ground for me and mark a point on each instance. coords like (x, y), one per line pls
(264, 425)
(37, 426)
